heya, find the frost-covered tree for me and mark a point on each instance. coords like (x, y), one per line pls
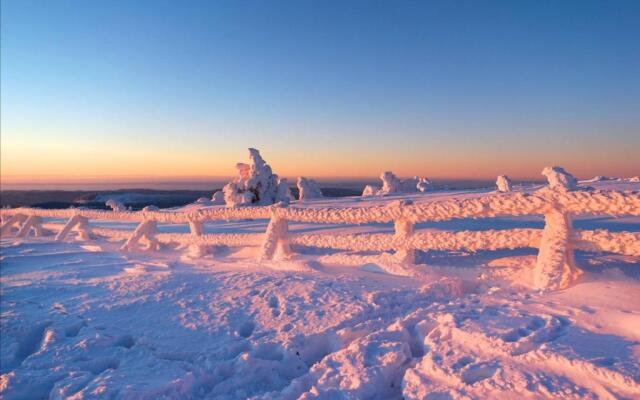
(256, 183)
(218, 197)
(284, 191)
(504, 183)
(391, 184)
(370, 190)
(424, 185)
(115, 205)
(559, 178)
(308, 189)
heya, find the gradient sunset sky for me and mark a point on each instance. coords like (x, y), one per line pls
(457, 89)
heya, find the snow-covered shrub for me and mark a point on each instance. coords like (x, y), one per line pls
(284, 191)
(370, 190)
(308, 189)
(424, 185)
(504, 183)
(391, 184)
(255, 184)
(218, 197)
(115, 205)
(559, 178)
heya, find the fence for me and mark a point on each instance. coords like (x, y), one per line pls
(555, 266)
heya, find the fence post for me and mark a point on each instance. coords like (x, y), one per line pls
(147, 230)
(195, 249)
(33, 222)
(276, 238)
(80, 223)
(10, 222)
(555, 266)
(405, 254)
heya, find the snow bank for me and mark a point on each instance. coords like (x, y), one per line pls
(308, 189)
(256, 184)
(504, 184)
(559, 178)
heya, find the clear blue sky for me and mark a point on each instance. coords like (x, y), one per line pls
(323, 88)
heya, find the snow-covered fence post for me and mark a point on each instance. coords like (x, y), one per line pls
(196, 249)
(11, 222)
(404, 227)
(147, 230)
(276, 239)
(555, 266)
(33, 222)
(80, 224)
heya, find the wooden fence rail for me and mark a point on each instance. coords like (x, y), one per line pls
(555, 266)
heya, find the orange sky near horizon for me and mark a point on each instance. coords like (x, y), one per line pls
(51, 163)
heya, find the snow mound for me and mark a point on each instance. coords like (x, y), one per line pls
(559, 178)
(308, 189)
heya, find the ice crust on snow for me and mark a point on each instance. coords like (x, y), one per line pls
(308, 189)
(504, 184)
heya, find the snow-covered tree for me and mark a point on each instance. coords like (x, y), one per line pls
(559, 178)
(256, 183)
(424, 185)
(284, 191)
(308, 189)
(218, 197)
(370, 190)
(391, 184)
(504, 183)
(115, 205)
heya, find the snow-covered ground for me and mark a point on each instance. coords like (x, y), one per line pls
(82, 319)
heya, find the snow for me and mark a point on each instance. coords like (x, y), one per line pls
(370, 190)
(558, 177)
(504, 184)
(82, 318)
(391, 184)
(309, 189)
(256, 183)
(115, 205)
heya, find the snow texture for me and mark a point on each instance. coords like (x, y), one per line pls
(308, 189)
(81, 319)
